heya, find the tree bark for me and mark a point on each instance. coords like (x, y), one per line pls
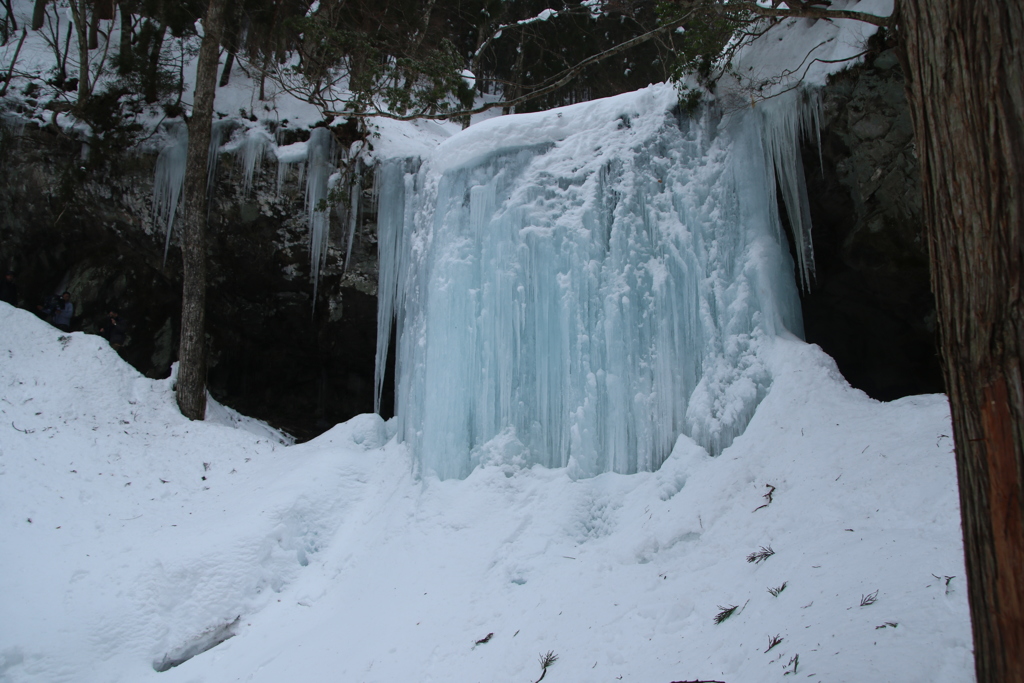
(191, 385)
(126, 57)
(38, 14)
(966, 90)
(10, 15)
(94, 32)
(151, 75)
(104, 9)
(80, 18)
(225, 74)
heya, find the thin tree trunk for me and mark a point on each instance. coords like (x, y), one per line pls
(225, 74)
(151, 89)
(80, 18)
(10, 15)
(62, 60)
(263, 79)
(966, 89)
(191, 387)
(94, 32)
(125, 55)
(10, 71)
(38, 15)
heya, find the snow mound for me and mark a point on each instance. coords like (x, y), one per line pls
(132, 539)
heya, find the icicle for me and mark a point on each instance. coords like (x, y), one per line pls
(355, 192)
(787, 119)
(169, 175)
(289, 157)
(320, 167)
(395, 181)
(250, 156)
(217, 131)
(168, 180)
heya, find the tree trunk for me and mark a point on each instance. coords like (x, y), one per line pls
(10, 15)
(38, 14)
(191, 387)
(126, 58)
(80, 18)
(966, 89)
(225, 74)
(94, 32)
(151, 76)
(104, 9)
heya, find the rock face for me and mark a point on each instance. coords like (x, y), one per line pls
(68, 221)
(870, 306)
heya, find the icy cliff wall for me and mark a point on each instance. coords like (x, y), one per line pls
(581, 286)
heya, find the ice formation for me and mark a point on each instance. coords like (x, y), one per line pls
(315, 159)
(577, 288)
(320, 168)
(250, 151)
(169, 177)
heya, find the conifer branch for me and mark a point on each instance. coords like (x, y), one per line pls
(550, 85)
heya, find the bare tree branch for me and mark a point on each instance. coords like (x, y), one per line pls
(10, 71)
(808, 11)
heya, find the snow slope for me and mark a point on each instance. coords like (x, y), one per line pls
(329, 561)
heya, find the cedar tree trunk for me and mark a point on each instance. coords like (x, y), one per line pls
(966, 91)
(191, 386)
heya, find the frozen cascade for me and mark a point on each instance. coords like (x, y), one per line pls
(320, 168)
(582, 295)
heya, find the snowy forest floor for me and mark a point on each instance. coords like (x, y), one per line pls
(131, 539)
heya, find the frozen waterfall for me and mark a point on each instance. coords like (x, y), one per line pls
(580, 287)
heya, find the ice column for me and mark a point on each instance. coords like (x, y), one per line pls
(168, 180)
(319, 168)
(786, 120)
(250, 154)
(394, 187)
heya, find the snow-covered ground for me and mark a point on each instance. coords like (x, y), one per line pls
(129, 535)
(133, 541)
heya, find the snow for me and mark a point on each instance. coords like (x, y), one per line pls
(801, 51)
(331, 561)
